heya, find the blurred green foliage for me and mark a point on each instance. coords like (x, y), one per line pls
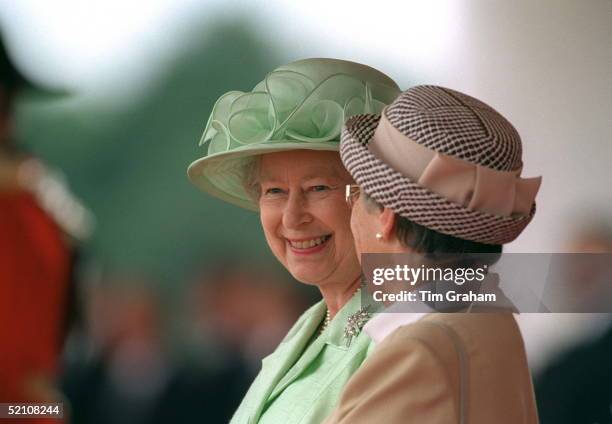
(128, 163)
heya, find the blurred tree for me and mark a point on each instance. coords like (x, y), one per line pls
(128, 163)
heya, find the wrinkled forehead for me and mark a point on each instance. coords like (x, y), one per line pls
(301, 165)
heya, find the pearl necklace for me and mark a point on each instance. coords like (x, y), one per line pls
(354, 323)
(328, 318)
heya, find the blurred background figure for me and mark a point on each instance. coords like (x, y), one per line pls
(40, 224)
(243, 311)
(237, 315)
(123, 372)
(570, 352)
(129, 369)
(593, 234)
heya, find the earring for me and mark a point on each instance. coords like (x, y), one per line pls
(378, 236)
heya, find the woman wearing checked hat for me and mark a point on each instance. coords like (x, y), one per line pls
(438, 172)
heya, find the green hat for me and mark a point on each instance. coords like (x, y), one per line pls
(302, 105)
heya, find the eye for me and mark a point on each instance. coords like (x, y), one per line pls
(320, 188)
(273, 191)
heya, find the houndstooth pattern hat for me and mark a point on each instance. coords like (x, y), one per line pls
(435, 143)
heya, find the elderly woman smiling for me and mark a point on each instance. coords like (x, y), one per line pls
(305, 224)
(275, 150)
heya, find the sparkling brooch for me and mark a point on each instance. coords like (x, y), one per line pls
(355, 323)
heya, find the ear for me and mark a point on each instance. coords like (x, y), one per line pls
(387, 223)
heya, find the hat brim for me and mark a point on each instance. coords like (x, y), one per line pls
(222, 174)
(408, 199)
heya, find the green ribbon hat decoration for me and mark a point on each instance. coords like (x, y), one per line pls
(302, 105)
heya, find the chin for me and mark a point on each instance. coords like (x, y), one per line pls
(304, 278)
(309, 276)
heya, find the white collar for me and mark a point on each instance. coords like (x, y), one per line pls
(393, 317)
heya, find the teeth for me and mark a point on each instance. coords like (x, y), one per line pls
(307, 244)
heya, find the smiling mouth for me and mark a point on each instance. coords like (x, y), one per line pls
(309, 244)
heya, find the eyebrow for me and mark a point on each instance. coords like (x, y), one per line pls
(322, 172)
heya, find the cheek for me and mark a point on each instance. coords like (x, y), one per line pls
(269, 223)
(340, 221)
(354, 226)
(358, 229)
(347, 239)
(355, 231)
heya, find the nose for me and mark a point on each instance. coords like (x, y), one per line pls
(296, 211)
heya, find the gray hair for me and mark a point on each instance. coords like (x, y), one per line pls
(431, 242)
(251, 178)
(371, 204)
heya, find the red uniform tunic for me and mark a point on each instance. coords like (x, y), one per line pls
(34, 273)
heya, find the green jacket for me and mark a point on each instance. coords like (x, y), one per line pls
(301, 382)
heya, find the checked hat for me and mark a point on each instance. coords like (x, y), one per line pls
(444, 160)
